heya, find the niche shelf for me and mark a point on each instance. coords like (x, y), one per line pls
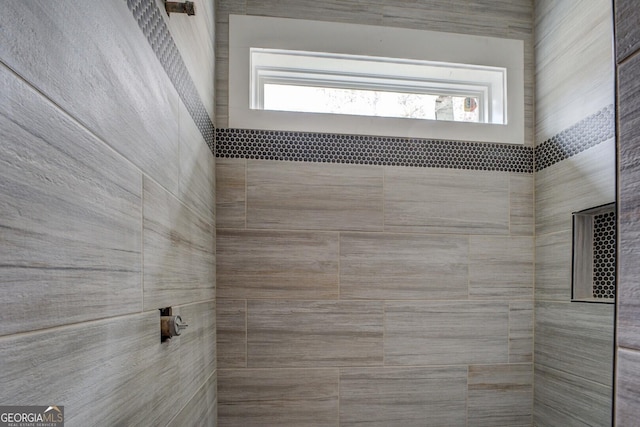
(594, 255)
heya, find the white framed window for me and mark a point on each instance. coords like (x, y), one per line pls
(288, 74)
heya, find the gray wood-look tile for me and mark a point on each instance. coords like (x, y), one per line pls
(353, 11)
(400, 266)
(521, 201)
(627, 16)
(277, 264)
(500, 267)
(194, 37)
(278, 397)
(314, 196)
(179, 251)
(231, 318)
(491, 18)
(629, 204)
(314, 333)
(565, 400)
(230, 193)
(553, 266)
(115, 370)
(521, 331)
(197, 186)
(70, 225)
(403, 396)
(583, 181)
(196, 346)
(433, 15)
(202, 409)
(500, 395)
(222, 74)
(419, 333)
(576, 338)
(627, 393)
(446, 201)
(574, 62)
(226, 7)
(94, 62)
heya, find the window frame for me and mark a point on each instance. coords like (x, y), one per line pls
(247, 32)
(321, 69)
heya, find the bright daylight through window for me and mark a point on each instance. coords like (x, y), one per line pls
(314, 82)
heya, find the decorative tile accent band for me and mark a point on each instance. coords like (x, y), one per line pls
(149, 18)
(371, 150)
(585, 134)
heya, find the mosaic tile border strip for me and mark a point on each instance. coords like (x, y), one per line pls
(371, 150)
(149, 18)
(585, 134)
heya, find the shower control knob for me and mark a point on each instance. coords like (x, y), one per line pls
(171, 326)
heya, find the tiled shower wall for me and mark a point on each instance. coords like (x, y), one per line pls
(628, 332)
(107, 211)
(575, 170)
(374, 293)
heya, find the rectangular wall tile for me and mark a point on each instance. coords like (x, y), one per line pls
(278, 397)
(194, 38)
(277, 264)
(574, 62)
(629, 204)
(69, 215)
(627, 394)
(500, 395)
(583, 181)
(179, 252)
(338, 11)
(311, 334)
(553, 266)
(500, 267)
(576, 338)
(418, 333)
(403, 396)
(313, 196)
(197, 178)
(627, 32)
(115, 370)
(521, 199)
(230, 193)
(231, 316)
(446, 201)
(102, 71)
(202, 408)
(196, 346)
(566, 400)
(400, 266)
(521, 331)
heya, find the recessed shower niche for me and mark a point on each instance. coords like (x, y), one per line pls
(594, 255)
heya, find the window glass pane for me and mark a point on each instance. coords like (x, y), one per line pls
(362, 102)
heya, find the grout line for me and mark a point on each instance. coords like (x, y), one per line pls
(246, 193)
(246, 333)
(142, 198)
(339, 396)
(467, 399)
(339, 265)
